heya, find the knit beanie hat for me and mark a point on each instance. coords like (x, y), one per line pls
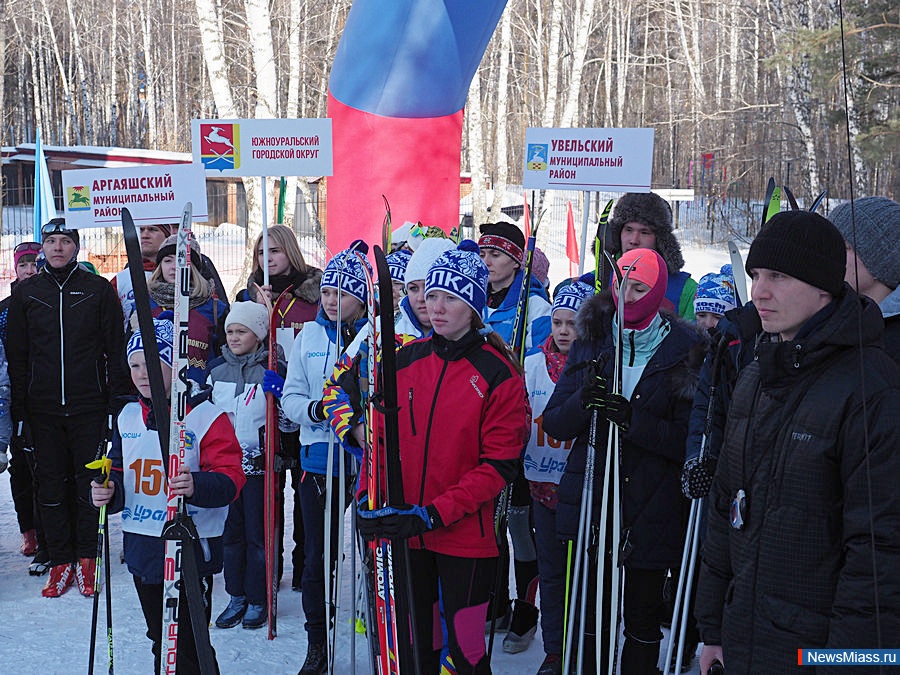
(802, 245)
(397, 262)
(572, 295)
(653, 211)
(424, 257)
(715, 292)
(170, 246)
(347, 269)
(648, 267)
(504, 237)
(250, 314)
(461, 272)
(25, 248)
(165, 341)
(58, 226)
(540, 267)
(877, 241)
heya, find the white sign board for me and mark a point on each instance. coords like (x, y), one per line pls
(155, 194)
(612, 160)
(266, 147)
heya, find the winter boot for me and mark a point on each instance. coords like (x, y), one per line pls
(61, 577)
(522, 627)
(316, 660)
(255, 616)
(85, 573)
(29, 543)
(552, 665)
(40, 564)
(233, 614)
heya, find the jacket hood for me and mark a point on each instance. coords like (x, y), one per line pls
(308, 291)
(854, 322)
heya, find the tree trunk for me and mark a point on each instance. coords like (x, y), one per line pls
(83, 85)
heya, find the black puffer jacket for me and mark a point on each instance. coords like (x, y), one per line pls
(653, 507)
(800, 572)
(65, 342)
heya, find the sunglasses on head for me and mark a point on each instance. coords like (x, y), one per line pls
(27, 247)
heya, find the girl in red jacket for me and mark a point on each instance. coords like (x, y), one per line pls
(463, 423)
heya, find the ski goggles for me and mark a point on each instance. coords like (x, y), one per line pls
(27, 247)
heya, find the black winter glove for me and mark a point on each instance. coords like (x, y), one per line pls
(617, 410)
(395, 522)
(697, 476)
(594, 391)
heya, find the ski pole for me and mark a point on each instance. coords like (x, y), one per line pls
(103, 464)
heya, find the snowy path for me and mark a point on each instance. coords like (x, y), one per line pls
(51, 636)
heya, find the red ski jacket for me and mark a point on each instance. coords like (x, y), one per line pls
(464, 421)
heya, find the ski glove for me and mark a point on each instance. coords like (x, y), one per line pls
(617, 409)
(396, 522)
(594, 391)
(273, 383)
(697, 476)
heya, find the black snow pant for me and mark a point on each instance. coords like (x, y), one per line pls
(465, 589)
(151, 598)
(62, 446)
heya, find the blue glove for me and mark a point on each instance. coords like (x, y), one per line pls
(396, 522)
(273, 383)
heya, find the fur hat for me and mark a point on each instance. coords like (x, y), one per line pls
(877, 241)
(654, 212)
(250, 314)
(802, 245)
(424, 257)
(345, 272)
(461, 272)
(165, 341)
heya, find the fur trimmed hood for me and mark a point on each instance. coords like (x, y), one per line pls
(593, 323)
(309, 289)
(654, 212)
(306, 290)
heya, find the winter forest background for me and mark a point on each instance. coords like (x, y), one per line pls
(756, 83)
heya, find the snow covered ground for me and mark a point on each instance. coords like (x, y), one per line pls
(52, 636)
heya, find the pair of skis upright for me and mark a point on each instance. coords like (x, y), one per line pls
(180, 534)
(395, 630)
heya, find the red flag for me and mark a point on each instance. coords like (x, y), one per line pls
(527, 219)
(571, 242)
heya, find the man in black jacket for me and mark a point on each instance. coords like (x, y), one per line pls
(803, 510)
(64, 343)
